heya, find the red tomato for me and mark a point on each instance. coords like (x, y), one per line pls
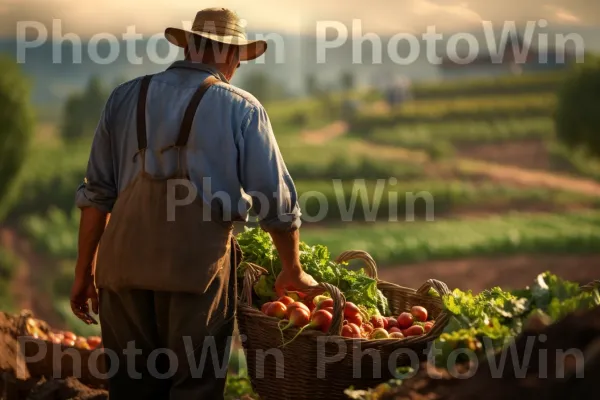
(311, 306)
(392, 323)
(377, 321)
(420, 313)
(351, 310)
(427, 326)
(351, 331)
(324, 304)
(330, 309)
(265, 306)
(286, 300)
(94, 341)
(356, 320)
(415, 330)
(405, 320)
(295, 305)
(277, 309)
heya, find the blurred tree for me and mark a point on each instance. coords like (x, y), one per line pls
(263, 87)
(82, 110)
(16, 121)
(577, 115)
(347, 81)
(312, 85)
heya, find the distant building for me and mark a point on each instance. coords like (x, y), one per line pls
(510, 63)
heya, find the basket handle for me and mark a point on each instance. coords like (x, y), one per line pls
(339, 303)
(251, 274)
(590, 286)
(360, 255)
(436, 285)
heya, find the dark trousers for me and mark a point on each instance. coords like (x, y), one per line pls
(163, 345)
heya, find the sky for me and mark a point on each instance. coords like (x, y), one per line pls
(90, 17)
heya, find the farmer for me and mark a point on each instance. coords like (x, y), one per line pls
(171, 157)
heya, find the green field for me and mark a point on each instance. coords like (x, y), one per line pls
(514, 233)
(474, 215)
(424, 135)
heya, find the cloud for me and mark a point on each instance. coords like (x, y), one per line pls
(562, 14)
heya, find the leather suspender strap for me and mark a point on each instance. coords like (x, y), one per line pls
(141, 113)
(190, 112)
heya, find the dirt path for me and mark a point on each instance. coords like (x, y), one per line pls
(506, 271)
(504, 173)
(31, 281)
(325, 134)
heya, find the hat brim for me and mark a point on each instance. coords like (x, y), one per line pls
(249, 49)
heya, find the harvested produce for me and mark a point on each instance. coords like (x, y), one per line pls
(405, 320)
(276, 309)
(65, 338)
(287, 300)
(365, 312)
(351, 331)
(419, 313)
(294, 306)
(379, 333)
(356, 286)
(415, 330)
(298, 318)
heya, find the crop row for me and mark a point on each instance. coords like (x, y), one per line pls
(55, 232)
(459, 110)
(393, 200)
(513, 85)
(425, 134)
(517, 233)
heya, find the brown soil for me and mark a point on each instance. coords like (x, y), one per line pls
(325, 134)
(16, 382)
(508, 272)
(531, 154)
(30, 284)
(491, 170)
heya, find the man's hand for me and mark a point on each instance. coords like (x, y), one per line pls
(294, 279)
(84, 290)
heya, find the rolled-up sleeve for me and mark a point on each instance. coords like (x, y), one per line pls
(99, 188)
(265, 177)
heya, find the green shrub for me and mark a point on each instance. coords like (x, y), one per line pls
(16, 124)
(577, 116)
(82, 111)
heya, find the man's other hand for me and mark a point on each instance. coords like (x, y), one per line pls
(82, 292)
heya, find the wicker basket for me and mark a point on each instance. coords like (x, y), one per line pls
(321, 366)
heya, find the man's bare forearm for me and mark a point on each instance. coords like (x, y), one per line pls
(91, 228)
(287, 245)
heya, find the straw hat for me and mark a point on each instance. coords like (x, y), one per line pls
(220, 25)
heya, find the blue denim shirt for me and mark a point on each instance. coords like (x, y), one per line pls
(231, 156)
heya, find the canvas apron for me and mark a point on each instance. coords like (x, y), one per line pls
(142, 248)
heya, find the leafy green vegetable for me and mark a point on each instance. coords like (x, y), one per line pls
(499, 315)
(357, 286)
